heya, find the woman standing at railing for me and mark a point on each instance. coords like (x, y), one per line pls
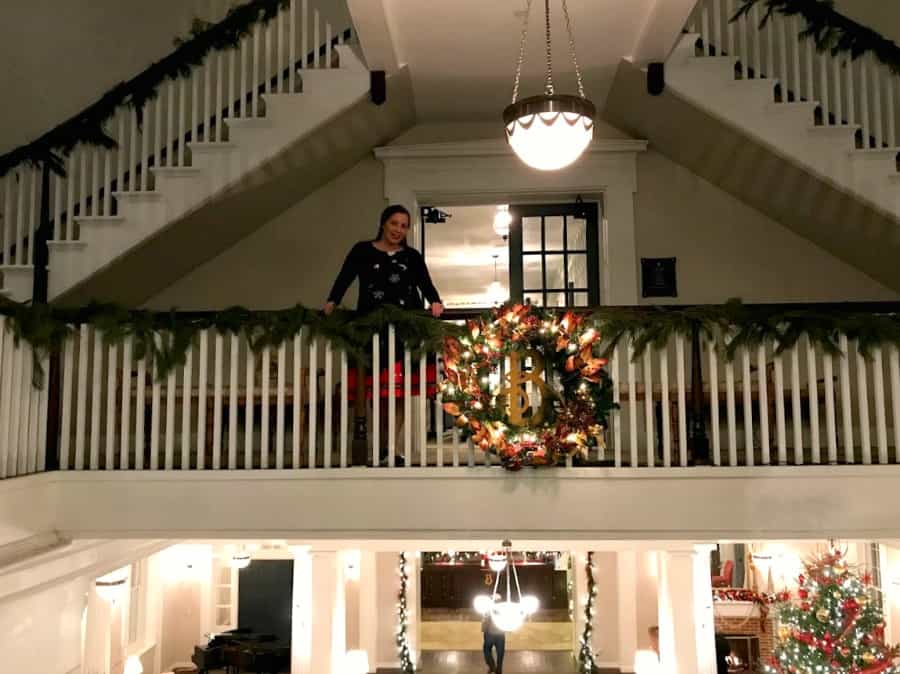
(389, 272)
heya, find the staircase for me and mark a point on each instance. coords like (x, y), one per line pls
(808, 138)
(205, 137)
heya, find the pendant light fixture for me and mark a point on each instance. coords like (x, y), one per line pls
(507, 614)
(496, 293)
(549, 131)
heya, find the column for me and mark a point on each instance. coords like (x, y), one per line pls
(368, 607)
(579, 598)
(686, 629)
(413, 592)
(301, 612)
(95, 659)
(319, 615)
(626, 585)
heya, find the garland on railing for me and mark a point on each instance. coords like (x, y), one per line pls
(166, 337)
(830, 29)
(586, 652)
(762, 599)
(403, 652)
(87, 126)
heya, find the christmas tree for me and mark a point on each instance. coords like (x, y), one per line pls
(834, 625)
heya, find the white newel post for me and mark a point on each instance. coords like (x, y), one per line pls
(626, 596)
(96, 635)
(368, 607)
(686, 629)
(413, 566)
(319, 613)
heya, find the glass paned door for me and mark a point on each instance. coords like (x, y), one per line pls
(554, 254)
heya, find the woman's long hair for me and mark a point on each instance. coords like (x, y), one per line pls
(386, 215)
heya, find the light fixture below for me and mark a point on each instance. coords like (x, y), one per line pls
(111, 587)
(502, 221)
(550, 131)
(496, 292)
(508, 615)
(240, 560)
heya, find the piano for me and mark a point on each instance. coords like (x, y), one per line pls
(242, 650)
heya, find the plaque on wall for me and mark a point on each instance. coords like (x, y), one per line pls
(658, 277)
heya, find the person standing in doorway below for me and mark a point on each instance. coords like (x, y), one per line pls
(494, 639)
(389, 272)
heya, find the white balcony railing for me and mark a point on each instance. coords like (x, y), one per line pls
(293, 407)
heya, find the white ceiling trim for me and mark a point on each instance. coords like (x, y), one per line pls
(494, 148)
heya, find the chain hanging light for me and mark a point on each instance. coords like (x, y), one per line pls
(509, 614)
(549, 131)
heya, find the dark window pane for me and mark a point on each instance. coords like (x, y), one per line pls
(556, 299)
(555, 271)
(531, 272)
(553, 232)
(536, 299)
(531, 234)
(579, 299)
(578, 275)
(576, 234)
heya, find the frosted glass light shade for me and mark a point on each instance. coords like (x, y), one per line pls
(549, 132)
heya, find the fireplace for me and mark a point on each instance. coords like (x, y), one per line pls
(744, 652)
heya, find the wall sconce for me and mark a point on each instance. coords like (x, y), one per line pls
(112, 586)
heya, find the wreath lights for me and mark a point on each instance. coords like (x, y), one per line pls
(521, 417)
(403, 651)
(586, 652)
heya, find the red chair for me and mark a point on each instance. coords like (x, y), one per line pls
(725, 578)
(399, 385)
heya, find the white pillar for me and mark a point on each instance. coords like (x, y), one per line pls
(626, 579)
(413, 564)
(319, 614)
(301, 616)
(96, 635)
(368, 607)
(580, 598)
(686, 629)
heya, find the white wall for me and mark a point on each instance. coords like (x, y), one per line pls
(388, 589)
(606, 616)
(647, 596)
(724, 248)
(186, 577)
(41, 632)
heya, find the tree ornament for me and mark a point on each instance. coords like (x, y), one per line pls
(823, 615)
(868, 658)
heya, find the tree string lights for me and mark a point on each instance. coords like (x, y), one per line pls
(406, 663)
(586, 653)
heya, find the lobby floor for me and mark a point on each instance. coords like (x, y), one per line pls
(466, 636)
(516, 662)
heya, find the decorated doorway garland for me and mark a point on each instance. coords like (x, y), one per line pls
(528, 386)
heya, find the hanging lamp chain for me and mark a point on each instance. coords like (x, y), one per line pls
(548, 87)
(522, 43)
(572, 49)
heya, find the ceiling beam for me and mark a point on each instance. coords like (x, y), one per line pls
(663, 24)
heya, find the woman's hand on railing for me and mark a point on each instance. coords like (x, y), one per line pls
(437, 309)
(328, 309)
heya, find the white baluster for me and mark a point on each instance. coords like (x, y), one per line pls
(313, 399)
(179, 139)
(81, 396)
(195, 105)
(763, 398)
(249, 402)
(296, 431)
(207, 98)
(19, 463)
(880, 405)
(32, 213)
(666, 412)
(71, 172)
(304, 27)
(876, 104)
(812, 379)
(823, 88)
(170, 124)
(264, 415)
(121, 159)
(42, 416)
(439, 411)
(170, 420)
(862, 393)
(112, 358)
(682, 406)
(731, 411)
(267, 82)
(343, 398)
(846, 411)
(704, 29)
(780, 424)
(771, 68)
(742, 45)
(797, 417)
(220, 103)
(140, 410)
(155, 413)
(632, 408)
(779, 28)
(865, 120)
(329, 388)
(757, 51)
(234, 353)
(254, 74)
(392, 398)
(717, 28)
(96, 391)
(423, 411)
(327, 45)
(202, 412)
(281, 383)
(96, 182)
(159, 142)
(830, 419)
(376, 397)
(65, 434)
(145, 146)
(747, 390)
(851, 94)
(187, 384)
(616, 416)
(6, 379)
(838, 90)
(316, 42)
(20, 217)
(730, 27)
(292, 46)
(245, 72)
(218, 384)
(7, 217)
(795, 55)
(649, 434)
(891, 114)
(279, 83)
(407, 409)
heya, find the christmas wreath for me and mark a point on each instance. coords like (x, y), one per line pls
(551, 399)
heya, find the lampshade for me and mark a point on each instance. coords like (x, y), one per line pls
(646, 662)
(497, 293)
(356, 662)
(549, 132)
(508, 615)
(502, 221)
(240, 560)
(497, 562)
(530, 604)
(133, 665)
(111, 587)
(483, 604)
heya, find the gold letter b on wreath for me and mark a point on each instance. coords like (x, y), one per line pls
(517, 395)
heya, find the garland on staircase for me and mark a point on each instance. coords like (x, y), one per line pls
(831, 30)
(165, 337)
(406, 663)
(87, 127)
(586, 652)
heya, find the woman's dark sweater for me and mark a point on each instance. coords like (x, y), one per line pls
(385, 278)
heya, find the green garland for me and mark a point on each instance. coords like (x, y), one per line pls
(403, 651)
(87, 126)
(830, 29)
(586, 652)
